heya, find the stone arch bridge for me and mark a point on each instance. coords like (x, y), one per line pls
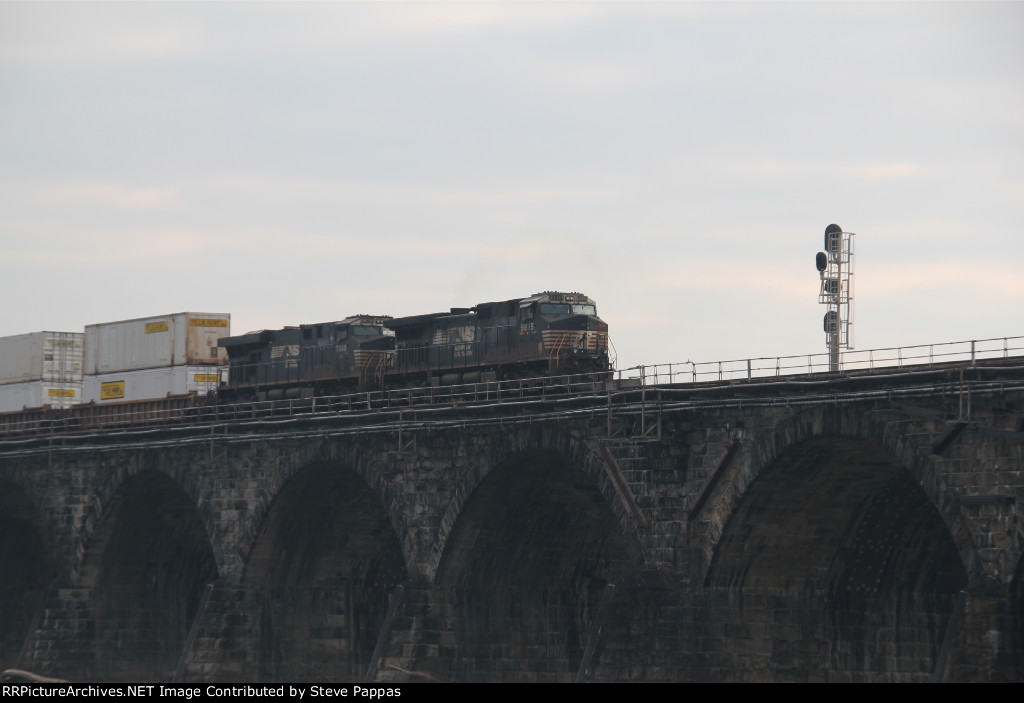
(823, 528)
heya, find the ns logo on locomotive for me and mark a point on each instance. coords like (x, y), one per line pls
(546, 333)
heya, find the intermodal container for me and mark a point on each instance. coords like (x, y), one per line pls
(179, 339)
(38, 394)
(41, 356)
(149, 384)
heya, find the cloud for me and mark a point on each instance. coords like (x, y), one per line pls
(777, 168)
(390, 192)
(514, 194)
(587, 75)
(63, 34)
(769, 167)
(441, 20)
(455, 251)
(157, 247)
(711, 273)
(973, 280)
(885, 171)
(111, 195)
(155, 42)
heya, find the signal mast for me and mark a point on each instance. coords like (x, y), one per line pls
(835, 266)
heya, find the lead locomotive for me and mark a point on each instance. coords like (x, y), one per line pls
(547, 333)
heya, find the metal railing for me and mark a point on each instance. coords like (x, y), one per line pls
(969, 351)
(181, 410)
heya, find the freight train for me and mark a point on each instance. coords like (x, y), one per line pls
(546, 333)
(165, 369)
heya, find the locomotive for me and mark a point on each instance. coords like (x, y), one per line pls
(546, 333)
(297, 361)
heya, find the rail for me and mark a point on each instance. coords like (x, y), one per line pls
(182, 410)
(969, 351)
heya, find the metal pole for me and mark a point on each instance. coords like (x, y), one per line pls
(833, 352)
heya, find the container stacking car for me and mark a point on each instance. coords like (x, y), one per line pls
(152, 357)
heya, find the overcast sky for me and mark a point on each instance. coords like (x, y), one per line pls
(678, 162)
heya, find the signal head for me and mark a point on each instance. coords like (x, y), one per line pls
(831, 232)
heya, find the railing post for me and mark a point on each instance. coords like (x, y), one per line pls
(608, 416)
(643, 413)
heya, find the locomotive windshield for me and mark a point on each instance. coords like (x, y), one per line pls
(371, 331)
(565, 309)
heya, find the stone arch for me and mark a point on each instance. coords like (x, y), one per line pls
(320, 574)
(834, 537)
(504, 448)
(114, 470)
(842, 423)
(146, 567)
(279, 463)
(524, 570)
(26, 568)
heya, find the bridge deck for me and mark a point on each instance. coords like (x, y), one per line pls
(149, 422)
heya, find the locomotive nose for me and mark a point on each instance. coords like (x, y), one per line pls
(580, 323)
(380, 343)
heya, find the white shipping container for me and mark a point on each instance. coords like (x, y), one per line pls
(181, 339)
(41, 356)
(150, 384)
(36, 394)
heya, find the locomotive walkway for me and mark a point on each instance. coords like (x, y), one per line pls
(768, 522)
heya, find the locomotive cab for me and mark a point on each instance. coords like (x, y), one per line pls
(566, 329)
(363, 350)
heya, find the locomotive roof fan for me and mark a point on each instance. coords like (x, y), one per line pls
(835, 268)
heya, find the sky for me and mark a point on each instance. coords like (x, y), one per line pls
(678, 162)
